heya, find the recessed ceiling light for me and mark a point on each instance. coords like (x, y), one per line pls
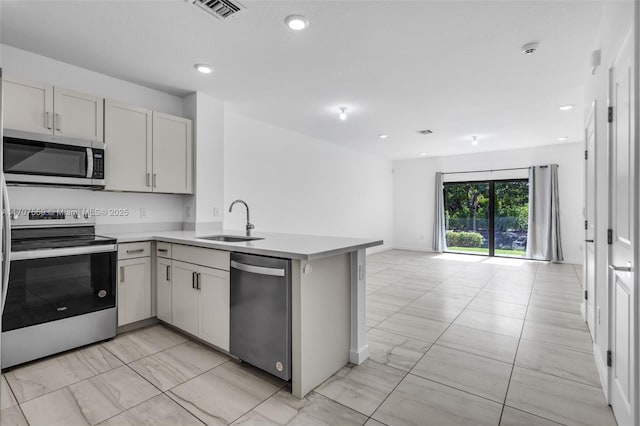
(424, 154)
(204, 68)
(383, 135)
(474, 142)
(296, 22)
(563, 138)
(566, 107)
(343, 113)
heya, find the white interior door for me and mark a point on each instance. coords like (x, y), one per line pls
(623, 309)
(589, 274)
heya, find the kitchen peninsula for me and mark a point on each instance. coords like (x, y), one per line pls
(327, 293)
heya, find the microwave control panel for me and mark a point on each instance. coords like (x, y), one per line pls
(98, 164)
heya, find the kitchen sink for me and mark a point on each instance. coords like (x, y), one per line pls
(230, 238)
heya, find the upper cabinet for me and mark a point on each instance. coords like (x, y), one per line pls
(43, 108)
(127, 132)
(147, 151)
(172, 154)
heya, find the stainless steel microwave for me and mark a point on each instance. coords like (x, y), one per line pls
(32, 158)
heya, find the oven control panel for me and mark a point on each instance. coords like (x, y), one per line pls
(51, 217)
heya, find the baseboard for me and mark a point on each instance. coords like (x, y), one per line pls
(421, 249)
(583, 311)
(603, 372)
(358, 357)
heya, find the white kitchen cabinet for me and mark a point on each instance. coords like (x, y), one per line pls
(163, 289)
(200, 302)
(134, 290)
(43, 108)
(128, 158)
(172, 154)
(28, 106)
(214, 306)
(147, 151)
(184, 297)
(77, 115)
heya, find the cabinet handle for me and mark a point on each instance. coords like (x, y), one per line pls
(58, 121)
(135, 251)
(163, 250)
(122, 274)
(198, 281)
(148, 178)
(193, 280)
(168, 273)
(155, 180)
(47, 120)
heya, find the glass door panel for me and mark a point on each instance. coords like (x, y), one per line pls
(511, 213)
(467, 216)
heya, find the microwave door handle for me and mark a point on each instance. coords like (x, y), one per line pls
(89, 163)
(6, 265)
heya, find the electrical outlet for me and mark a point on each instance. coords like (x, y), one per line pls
(216, 212)
(598, 314)
(143, 212)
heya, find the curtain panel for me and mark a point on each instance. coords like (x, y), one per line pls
(543, 237)
(439, 235)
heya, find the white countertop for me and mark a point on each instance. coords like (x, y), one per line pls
(290, 246)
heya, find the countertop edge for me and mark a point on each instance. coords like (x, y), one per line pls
(250, 250)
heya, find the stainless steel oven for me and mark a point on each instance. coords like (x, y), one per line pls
(62, 285)
(32, 158)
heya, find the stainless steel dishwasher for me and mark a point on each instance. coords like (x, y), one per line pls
(261, 312)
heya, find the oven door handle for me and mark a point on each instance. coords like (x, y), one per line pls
(61, 252)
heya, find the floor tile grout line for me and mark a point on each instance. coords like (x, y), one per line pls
(559, 377)
(515, 355)
(456, 388)
(532, 414)
(430, 346)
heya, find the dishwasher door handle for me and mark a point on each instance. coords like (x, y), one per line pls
(261, 270)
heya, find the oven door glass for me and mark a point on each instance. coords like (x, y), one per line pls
(44, 158)
(49, 289)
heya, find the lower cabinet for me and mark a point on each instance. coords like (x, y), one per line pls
(200, 302)
(134, 290)
(163, 289)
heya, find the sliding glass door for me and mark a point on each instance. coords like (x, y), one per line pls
(487, 217)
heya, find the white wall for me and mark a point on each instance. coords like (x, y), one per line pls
(414, 190)
(204, 208)
(297, 184)
(615, 24)
(158, 207)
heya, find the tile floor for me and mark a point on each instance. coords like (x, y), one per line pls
(454, 340)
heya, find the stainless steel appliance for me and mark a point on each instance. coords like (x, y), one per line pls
(61, 292)
(32, 158)
(261, 312)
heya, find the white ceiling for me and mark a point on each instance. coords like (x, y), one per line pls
(454, 67)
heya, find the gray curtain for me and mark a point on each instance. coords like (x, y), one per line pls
(439, 237)
(543, 237)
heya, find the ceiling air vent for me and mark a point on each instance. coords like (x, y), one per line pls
(424, 132)
(221, 9)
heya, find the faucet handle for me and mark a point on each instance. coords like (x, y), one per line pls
(250, 226)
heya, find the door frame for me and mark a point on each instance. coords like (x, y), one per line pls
(591, 155)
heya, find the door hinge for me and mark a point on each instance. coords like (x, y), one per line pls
(609, 362)
(586, 224)
(586, 295)
(586, 154)
(610, 115)
(609, 236)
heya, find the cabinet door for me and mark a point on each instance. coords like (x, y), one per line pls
(127, 133)
(184, 297)
(134, 290)
(213, 307)
(172, 154)
(77, 115)
(28, 106)
(163, 289)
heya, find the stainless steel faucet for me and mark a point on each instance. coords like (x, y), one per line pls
(249, 224)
